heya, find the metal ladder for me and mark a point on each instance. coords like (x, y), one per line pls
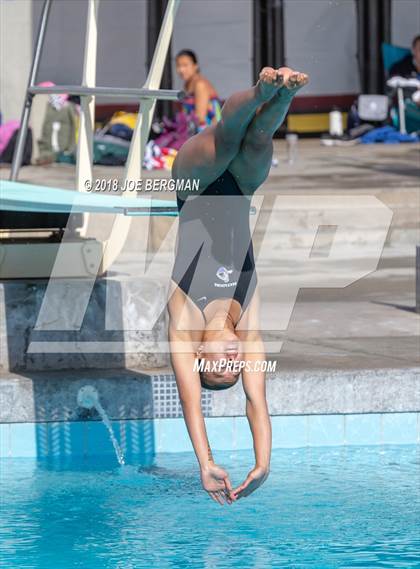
(147, 96)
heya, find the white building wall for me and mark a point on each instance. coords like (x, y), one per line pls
(15, 55)
(220, 32)
(122, 41)
(405, 21)
(321, 40)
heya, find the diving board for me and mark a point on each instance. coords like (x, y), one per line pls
(68, 255)
(16, 196)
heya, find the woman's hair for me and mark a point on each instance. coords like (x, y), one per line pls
(189, 53)
(214, 387)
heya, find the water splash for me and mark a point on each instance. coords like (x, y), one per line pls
(87, 397)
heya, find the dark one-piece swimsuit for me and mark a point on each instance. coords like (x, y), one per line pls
(214, 256)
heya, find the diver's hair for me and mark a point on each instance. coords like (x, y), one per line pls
(415, 40)
(213, 387)
(189, 53)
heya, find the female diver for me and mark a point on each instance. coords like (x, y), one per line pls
(213, 302)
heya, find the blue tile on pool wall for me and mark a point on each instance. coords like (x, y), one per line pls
(242, 436)
(137, 437)
(145, 437)
(5, 447)
(28, 439)
(325, 430)
(289, 430)
(98, 438)
(171, 435)
(363, 429)
(220, 432)
(399, 428)
(67, 438)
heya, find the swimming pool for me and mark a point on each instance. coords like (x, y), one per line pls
(324, 507)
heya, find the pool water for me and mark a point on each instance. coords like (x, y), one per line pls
(321, 507)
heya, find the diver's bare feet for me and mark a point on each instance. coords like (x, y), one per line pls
(292, 82)
(268, 83)
(272, 113)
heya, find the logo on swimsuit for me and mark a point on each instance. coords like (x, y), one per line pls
(223, 274)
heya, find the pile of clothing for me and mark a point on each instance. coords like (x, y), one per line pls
(388, 135)
(59, 129)
(157, 158)
(168, 137)
(8, 136)
(112, 142)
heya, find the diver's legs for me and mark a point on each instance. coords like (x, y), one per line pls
(252, 163)
(207, 154)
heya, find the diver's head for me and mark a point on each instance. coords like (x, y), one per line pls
(186, 64)
(219, 356)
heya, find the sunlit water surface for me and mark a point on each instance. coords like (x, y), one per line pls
(320, 507)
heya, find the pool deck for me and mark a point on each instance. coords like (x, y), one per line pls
(363, 328)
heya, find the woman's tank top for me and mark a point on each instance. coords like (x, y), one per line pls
(214, 109)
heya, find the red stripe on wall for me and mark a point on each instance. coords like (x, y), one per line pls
(302, 104)
(322, 103)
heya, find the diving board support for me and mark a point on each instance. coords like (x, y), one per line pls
(133, 167)
(102, 253)
(27, 105)
(89, 88)
(84, 160)
(130, 92)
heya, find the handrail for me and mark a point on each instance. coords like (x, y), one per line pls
(164, 94)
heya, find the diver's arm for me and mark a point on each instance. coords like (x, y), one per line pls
(189, 389)
(254, 382)
(215, 479)
(258, 418)
(256, 405)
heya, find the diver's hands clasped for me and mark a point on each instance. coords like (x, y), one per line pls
(257, 476)
(216, 482)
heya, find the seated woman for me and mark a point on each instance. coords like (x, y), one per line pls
(202, 98)
(213, 303)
